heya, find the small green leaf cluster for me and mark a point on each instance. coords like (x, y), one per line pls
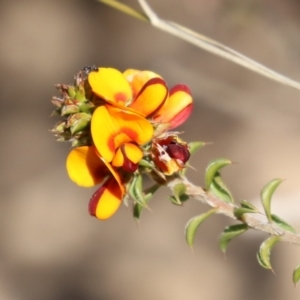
(215, 188)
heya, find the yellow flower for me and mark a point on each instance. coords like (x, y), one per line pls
(86, 168)
(117, 133)
(177, 108)
(136, 107)
(143, 92)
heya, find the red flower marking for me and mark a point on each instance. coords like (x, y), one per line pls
(120, 97)
(95, 199)
(127, 131)
(128, 165)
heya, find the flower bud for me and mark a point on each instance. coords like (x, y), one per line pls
(170, 154)
(78, 122)
(69, 109)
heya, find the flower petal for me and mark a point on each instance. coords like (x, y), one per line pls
(106, 200)
(137, 79)
(110, 85)
(150, 97)
(85, 167)
(111, 127)
(177, 107)
(127, 151)
(115, 174)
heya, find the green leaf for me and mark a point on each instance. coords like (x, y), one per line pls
(219, 189)
(146, 163)
(229, 233)
(212, 169)
(296, 275)
(195, 146)
(283, 224)
(266, 196)
(148, 194)
(136, 190)
(264, 253)
(178, 190)
(239, 212)
(246, 208)
(182, 199)
(193, 224)
(248, 205)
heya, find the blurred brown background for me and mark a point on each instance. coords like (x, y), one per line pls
(50, 247)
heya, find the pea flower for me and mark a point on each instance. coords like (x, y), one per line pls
(116, 135)
(118, 124)
(86, 168)
(144, 92)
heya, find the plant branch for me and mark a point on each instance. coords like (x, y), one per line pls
(227, 209)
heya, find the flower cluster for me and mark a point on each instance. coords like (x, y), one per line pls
(119, 125)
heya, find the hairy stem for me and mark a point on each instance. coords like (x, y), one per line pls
(252, 220)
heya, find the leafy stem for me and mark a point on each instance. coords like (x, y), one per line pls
(227, 209)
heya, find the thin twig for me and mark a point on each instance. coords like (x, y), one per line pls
(214, 47)
(201, 41)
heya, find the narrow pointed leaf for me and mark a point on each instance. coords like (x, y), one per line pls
(248, 205)
(193, 224)
(239, 212)
(182, 198)
(195, 146)
(229, 233)
(219, 189)
(266, 196)
(264, 253)
(178, 190)
(148, 194)
(296, 275)
(246, 208)
(282, 224)
(212, 169)
(146, 163)
(136, 190)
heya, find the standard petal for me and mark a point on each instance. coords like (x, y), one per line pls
(106, 200)
(111, 127)
(84, 166)
(150, 97)
(137, 79)
(177, 108)
(110, 85)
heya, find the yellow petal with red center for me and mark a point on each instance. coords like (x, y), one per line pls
(115, 174)
(85, 167)
(177, 108)
(112, 127)
(106, 200)
(151, 96)
(110, 85)
(127, 151)
(137, 79)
